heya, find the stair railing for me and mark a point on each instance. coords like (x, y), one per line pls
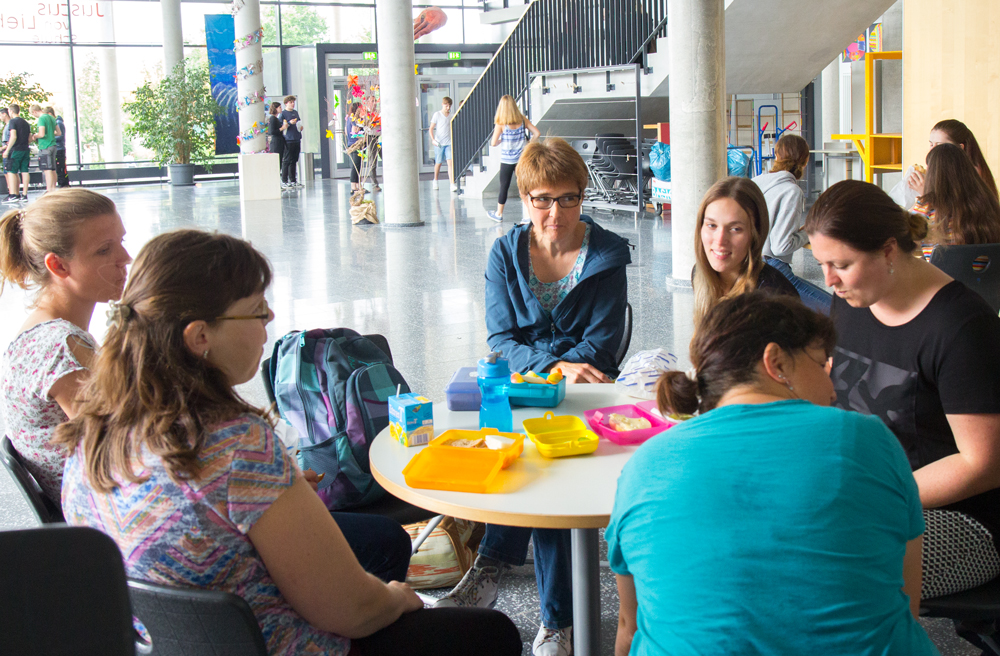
(553, 35)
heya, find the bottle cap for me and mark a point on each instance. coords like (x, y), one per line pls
(494, 366)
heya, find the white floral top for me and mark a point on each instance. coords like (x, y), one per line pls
(32, 364)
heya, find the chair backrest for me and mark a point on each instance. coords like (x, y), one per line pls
(189, 622)
(977, 266)
(46, 510)
(63, 592)
(626, 338)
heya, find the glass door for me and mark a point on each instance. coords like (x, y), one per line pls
(432, 92)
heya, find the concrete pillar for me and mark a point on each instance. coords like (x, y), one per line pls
(697, 37)
(252, 116)
(173, 36)
(399, 116)
(111, 104)
(830, 90)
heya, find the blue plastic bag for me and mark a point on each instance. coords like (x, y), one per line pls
(737, 161)
(659, 161)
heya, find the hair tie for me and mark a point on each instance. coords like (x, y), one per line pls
(118, 314)
(692, 375)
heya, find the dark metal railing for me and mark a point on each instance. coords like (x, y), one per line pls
(554, 35)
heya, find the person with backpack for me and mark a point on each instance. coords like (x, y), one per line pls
(512, 132)
(162, 434)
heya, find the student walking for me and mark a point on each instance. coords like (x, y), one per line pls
(292, 128)
(46, 138)
(440, 129)
(511, 133)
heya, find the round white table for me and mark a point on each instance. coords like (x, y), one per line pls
(575, 493)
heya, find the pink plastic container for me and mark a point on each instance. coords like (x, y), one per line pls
(598, 420)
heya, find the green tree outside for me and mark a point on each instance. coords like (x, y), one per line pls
(300, 26)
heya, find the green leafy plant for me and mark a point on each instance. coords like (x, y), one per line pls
(18, 88)
(175, 117)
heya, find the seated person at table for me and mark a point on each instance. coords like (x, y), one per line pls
(960, 207)
(555, 288)
(162, 435)
(769, 524)
(728, 240)
(920, 351)
(784, 205)
(67, 245)
(555, 297)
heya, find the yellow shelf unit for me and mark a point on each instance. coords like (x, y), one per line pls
(880, 152)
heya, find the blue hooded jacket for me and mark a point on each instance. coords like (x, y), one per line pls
(587, 326)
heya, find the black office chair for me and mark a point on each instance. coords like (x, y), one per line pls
(626, 338)
(975, 612)
(46, 511)
(977, 266)
(190, 622)
(62, 592)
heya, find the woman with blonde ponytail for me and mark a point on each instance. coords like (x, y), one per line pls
(770, 508)
(66, 247)
(785, 206)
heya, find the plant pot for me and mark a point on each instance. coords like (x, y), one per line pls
(181, 175)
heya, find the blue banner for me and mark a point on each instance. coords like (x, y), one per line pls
(220, 33)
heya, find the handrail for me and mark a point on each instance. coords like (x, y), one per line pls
(553, 35)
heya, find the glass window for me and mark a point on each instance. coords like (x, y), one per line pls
(353, 25)
(477, 32)
(42, 22)
(137, 22)
(305, 26)
(269, 21)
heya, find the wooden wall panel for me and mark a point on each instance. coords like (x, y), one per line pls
(951, 69)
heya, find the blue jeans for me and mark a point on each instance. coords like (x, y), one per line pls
(553, 570)
(812, 296)
(442, 153)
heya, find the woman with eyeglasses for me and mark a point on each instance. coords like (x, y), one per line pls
(193, 485)
(771, 523)
(556, 294)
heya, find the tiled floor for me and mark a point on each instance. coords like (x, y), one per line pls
(420, 287)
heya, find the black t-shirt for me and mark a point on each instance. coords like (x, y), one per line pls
(23, 133)
(274, 126)
(292, 132)
(944, 361)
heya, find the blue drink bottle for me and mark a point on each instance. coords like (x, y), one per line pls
(494, 382)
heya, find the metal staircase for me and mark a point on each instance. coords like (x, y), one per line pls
(553, 35)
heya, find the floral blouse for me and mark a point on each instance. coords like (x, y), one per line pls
(549, 294)
(35, 361)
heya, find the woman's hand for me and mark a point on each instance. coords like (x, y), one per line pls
(580, 372)
(408, 599)
(313, 478)
(915, 181)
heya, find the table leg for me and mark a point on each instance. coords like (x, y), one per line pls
(586, 593)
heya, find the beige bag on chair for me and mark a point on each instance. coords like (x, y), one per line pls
(445, 556)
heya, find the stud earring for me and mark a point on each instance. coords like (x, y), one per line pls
(205, 354)
(891, 270)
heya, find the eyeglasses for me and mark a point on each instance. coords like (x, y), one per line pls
(265, 317)
(545, 202)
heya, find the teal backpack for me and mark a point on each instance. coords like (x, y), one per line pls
(333, 386)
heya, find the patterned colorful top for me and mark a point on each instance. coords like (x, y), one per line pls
(512, 143)
(35, 361)
(194, 533)
(550, 294)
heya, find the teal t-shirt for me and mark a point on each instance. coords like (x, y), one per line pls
(769, 529)
(49, 123)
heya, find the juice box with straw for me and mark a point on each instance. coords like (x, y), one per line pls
(411, 419)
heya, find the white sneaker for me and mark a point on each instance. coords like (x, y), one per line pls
(454, 187)
(553, 642)
(435, 185)
(477, 589)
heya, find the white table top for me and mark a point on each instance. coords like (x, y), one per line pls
(574, 492)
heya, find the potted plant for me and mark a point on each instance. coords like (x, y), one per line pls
(175, 118)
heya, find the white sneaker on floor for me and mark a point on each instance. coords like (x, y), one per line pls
(454, 187)
(435, 185)
(553, 642)
(477, 589)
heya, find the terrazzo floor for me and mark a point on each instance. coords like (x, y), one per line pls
(421, 287)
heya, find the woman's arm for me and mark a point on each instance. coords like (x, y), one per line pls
(973, 470)
(495, 139)
(786, 235)
(535, 132)
(65, 391)
(313, 566)
(913, 575)
(627, 607)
